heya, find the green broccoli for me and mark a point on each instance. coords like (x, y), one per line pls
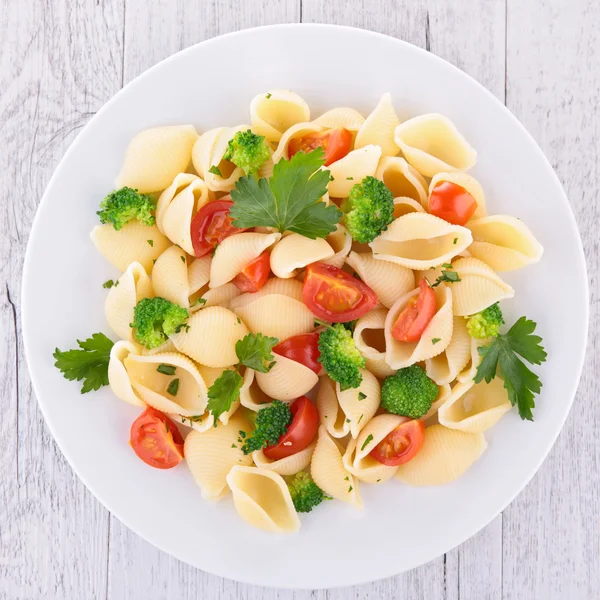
(306, 494)
(339, 356)
(156, 318)
(271, 423)
(408, 392)
(369, 209)
(124, 205)
(248, 151)
(485, 324)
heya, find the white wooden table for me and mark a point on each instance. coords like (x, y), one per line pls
(61, 60)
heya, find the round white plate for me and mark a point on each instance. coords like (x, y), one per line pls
(212, 84)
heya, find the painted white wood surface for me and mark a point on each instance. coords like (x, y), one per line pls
(60, 60)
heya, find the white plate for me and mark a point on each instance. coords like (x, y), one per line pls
(212, 84)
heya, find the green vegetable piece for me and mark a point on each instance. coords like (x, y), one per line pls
(166, 369)
(154, 319)
(485, 324)
(339, 356)
(215, 171)
(367, 441)
(108, 284)
(271, 423)
(446, 277)
(173, 387)
(408, 392)
(224, 392)
(305, 493)
(247, 151)
(254, 352)
(124, 205)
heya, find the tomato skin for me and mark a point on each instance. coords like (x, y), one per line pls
(416, 315)
(211, 225)
(336, 143)
(334, 295)
(401, 444)
(452, 203)
(156, 439)
(254, 275)
(303, 349)
(300, 433)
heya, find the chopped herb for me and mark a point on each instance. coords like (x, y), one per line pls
(200, 301)
(242, 433)
(108, 284)
(116, 283)
(350, 178)
(166, 369)
(378, 480)
(268, 95)
(239, 321)
(196, 419)
(182, 258)
(435, 340)
(361, 396)
(446, 277)
(455, 240)
(350, 489)
(331, 178)
(215, 170)
(359, 419)
(447, 265)
(151, 242)
(233, 446)
(366, 442)
(346, 478)
(347, 420)
(186, 327)
(153, 261)
(173, 387)
(214, 251)
(167, 425)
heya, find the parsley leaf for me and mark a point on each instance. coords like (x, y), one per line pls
(215, 170)
(224, 392)
(254, 352)
(108, 284)
(520, 383)
(290, 200)
(446, 277)
(89, 362)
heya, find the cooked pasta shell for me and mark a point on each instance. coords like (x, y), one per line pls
(331, 415)
(434, 340)
(404, 205)
(181, 181)
(341, 242)
(443, 396)
(118, 379)
(505, 243)
(155, 156)
(357, 459)
(129, 244)
(387, 279)
(468, 183)
(262, 498)
(361, 403)
(251, 396)
(290, 465)
(131, 287)
(295, 131)
(351, 169)
(478, 288)
(470, 370)
(211, 336)
(328, 471)
(369, 338)
(432, 144)
(220, 296)
(167, 346)
(287, 379)
(155, 388)
(170, 276)
(294, 252)
(342, 116)
(210, 455)
(379, 128)
(445, 367)
(475, 407)
(402, 179)
(276, 111)
(420, 241)
(446, 454)
(283, 287)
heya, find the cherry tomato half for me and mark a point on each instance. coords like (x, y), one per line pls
(416, 315)
(336, 143)
(303, 349)
(300, 433)
(211, 225)
(452, 203)
(254, 275)
(334, 295)
(156, 439)
(401, 444)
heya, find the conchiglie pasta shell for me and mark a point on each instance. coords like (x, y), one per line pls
(360, 411)
(212, 454)
(357, 165)
(331, 415)
(369, 338)
(473, 408)
(404, 205)
(290, 465)
(283, 287)
(271, 116)
(387, 279)
(181, 181)
(170, 276)
(402, 179)
(403, 354)
(295, 131)
(445, 367)
(203, 150)
(420, 241)
(155, 156)
(347, 118)
(478, 288)
(120, 302)
(261, 497)
(220, 296)
(211, 337)
(118, 379)
(341, 243)
(470, 370)
(328, 471)
(129, 244)
(379, 128)
(505, 243)
(443, 396)
(295, 251)
(287, 379)
(467, 182)
(251, 396)
(432, 144)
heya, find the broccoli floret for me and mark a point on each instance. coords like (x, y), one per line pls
(306, 494)
(156, 318)
(248, 151)
(271, 423)
(485, 324)
(339, 356)
(124, 205)
(408, 392)
(369, 209)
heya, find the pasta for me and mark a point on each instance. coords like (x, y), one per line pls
(379, 127)
(290, 465)
(369, 338)
(355, 166)
(286, 380)
(470, 184)
(345, 117)
(295, 251)
(276, 111)
(118, 377)
(402, 180)
(445, 367)
(341, 243)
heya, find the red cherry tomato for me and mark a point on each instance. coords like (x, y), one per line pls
(300, 433)
(211, 225)
(416, 315)
(156, 439)
(303, 349)
(335, 296)
(255, 274)
(336, 143)
(401, 444)
(452, 203)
